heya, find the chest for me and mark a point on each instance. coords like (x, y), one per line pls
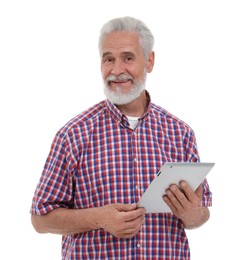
(119, 164)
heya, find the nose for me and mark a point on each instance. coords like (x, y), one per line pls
(118, 68)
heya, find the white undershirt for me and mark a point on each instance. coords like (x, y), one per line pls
(133, 121)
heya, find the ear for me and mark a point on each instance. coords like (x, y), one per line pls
(150, 63)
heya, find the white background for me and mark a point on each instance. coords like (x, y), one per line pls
(49, 72)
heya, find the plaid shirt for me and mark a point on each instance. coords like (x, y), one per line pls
(96, 159)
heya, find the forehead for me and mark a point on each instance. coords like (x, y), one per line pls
(121, 42)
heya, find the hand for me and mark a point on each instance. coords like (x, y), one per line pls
(122, 220)
(186, 204)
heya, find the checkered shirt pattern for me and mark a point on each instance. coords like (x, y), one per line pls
(96, 159)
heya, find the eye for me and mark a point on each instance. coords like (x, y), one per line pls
(128, 59)
(108, 60)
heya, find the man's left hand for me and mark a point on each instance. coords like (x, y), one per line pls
(186, 204)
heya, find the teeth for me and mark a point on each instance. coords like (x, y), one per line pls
(124, 81)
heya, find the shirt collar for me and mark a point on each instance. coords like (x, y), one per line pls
(121, 118)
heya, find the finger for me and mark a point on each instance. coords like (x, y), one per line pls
(135, 214)
(125, 207)
(195, 197)
(168, 202)
(131, 233)
(132, 228)
(176, 203)
(188, 191)
(180, 196)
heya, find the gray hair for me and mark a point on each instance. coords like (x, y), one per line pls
(132, 25)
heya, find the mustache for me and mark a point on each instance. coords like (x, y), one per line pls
(121, 77)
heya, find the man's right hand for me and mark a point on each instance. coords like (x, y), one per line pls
(121, 220)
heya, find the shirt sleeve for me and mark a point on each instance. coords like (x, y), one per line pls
(192, 155)
(55, 187)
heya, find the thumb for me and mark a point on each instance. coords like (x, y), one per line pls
(126, 207)
(199, 191)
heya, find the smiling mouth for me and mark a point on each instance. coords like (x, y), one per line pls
(120, 81)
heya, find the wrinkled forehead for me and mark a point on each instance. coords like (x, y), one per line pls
(125, 41)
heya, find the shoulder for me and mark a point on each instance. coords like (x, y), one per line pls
(83, 122)
(167, 118)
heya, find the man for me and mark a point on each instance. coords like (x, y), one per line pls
(102, 161)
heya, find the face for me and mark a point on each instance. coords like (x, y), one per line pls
(124, 67)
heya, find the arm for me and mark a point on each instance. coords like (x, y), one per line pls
(121, 220)
(187, 205)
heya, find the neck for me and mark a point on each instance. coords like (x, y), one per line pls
(135, 108)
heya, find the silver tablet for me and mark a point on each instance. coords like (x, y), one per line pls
(172, 173)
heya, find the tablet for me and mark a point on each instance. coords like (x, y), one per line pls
(172, 173)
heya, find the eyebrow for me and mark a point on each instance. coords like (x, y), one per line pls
(106, 54)
(125, 53)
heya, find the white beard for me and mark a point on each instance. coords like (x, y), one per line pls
(119, 97)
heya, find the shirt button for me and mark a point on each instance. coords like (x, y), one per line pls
(138, 245)
(137, 187)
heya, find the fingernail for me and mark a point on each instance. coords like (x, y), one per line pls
(173, 188)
